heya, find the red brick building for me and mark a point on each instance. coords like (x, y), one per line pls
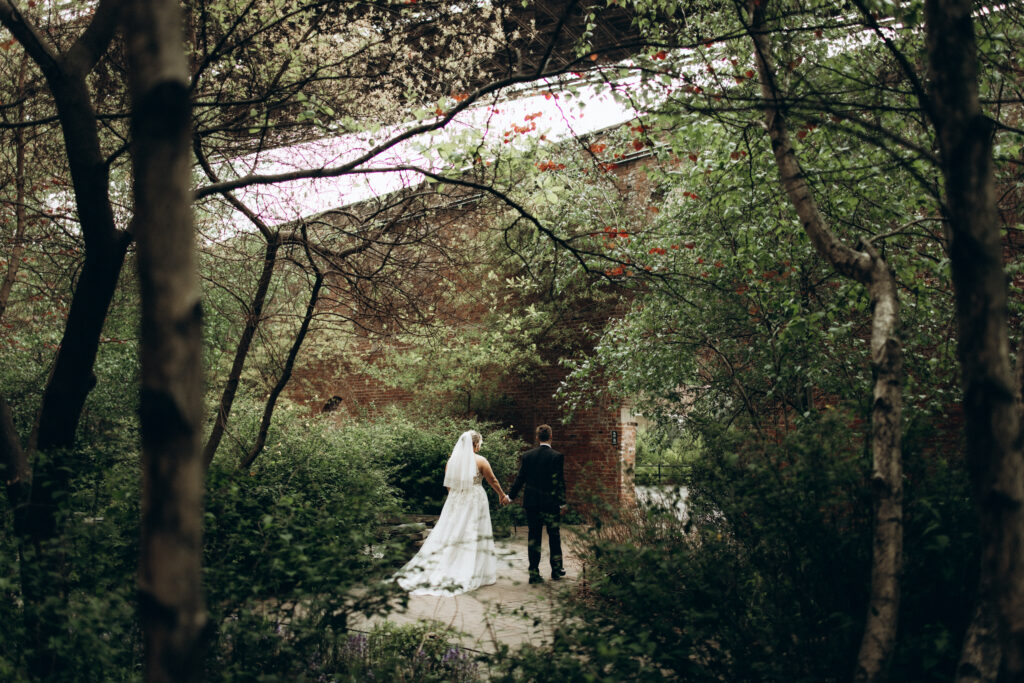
(599, 441)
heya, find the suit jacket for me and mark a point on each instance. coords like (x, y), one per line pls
(541, 472)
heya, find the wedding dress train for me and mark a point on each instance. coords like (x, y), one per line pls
(458, 555)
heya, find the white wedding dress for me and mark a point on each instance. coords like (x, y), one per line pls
(458, 555)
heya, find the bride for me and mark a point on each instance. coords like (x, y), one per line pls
(458, 555)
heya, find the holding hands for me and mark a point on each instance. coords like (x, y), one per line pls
(503, 499)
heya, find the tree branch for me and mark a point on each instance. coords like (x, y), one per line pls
(82, 57)
(41, 50)
(353, 165)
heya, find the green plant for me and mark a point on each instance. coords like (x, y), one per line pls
(766, 579)
(664, 450)
(413, 652)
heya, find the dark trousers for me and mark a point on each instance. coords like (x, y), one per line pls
(536, 520)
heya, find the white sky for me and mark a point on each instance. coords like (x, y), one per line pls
(560, 117)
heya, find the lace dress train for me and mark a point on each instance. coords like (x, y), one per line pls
(458, 555)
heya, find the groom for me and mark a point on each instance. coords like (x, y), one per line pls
(541, 472)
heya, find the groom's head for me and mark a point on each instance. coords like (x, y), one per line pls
(543, 433)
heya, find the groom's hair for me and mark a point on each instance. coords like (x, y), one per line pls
(543, 433)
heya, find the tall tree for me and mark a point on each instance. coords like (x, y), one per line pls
(964, 134)
(865, 265)
(66, 72)
(170, 579)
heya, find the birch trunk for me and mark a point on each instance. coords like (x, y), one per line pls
(172, 613)
(866, 266)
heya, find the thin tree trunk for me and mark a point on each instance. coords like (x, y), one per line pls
(18, 246)
(172, 613)
(252, 321)
(866, 266)
(286, 373)
(992, 423)
(981, 654)
(72, 376)
(13, 460)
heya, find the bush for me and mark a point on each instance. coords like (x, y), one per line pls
(422, 652)
(92, 573)
(768, 578)
(413, 453)
(288, 544)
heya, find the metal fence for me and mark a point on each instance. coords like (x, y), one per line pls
(658, 473)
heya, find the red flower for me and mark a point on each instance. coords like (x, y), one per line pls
(638, 145)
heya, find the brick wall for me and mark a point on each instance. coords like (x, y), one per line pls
(599, 443)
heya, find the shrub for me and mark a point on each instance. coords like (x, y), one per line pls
(93, 573)
(768, 578)
(416, 652)
(291, 547)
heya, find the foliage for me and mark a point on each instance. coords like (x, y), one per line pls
(766, 578)
(291, 548)
(414, 652)
(300, 521)
(98, 546)
(412, 451)
(664, 451)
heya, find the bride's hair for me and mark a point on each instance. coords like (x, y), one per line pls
(477, 439)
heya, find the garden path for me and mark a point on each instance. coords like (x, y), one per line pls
(510, 612)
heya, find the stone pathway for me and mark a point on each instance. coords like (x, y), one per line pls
(510, 612)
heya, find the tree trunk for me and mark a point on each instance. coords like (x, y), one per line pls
(252, 321)
(14, 469)
(18, 245)
(887, 474)
(992, 422)
(868, 267)
(981, 654)
(286, 373)
(171, 609)
(72, 377)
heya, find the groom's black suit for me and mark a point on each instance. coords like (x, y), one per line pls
(541, 472)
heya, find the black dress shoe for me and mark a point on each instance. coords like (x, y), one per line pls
(535, 578)
(557, 574)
